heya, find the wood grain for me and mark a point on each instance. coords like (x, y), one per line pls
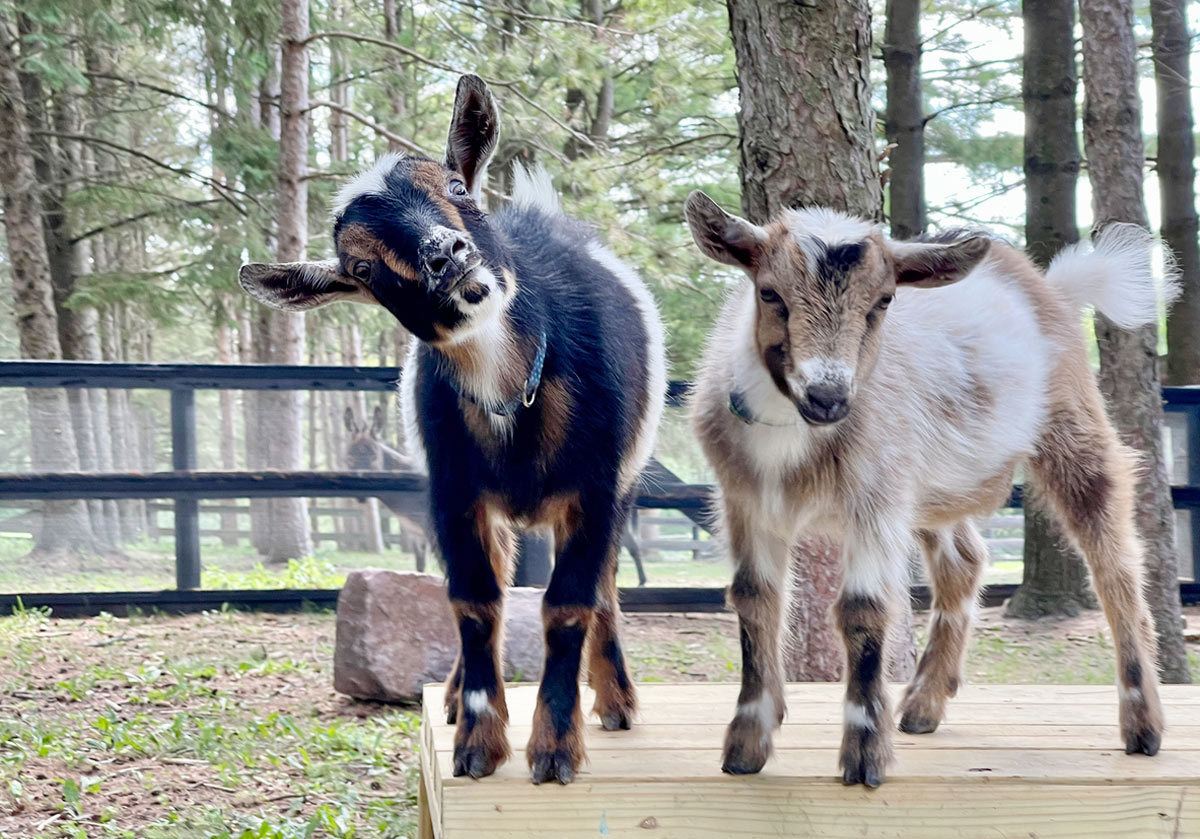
(1012, 761)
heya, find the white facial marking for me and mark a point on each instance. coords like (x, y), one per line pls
(858, 716)
(477, 702)
(825, 371)
(370, 181)
(815, 229)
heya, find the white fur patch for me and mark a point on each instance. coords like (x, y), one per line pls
(477, 702)
(825, 370)
(370, 181)
(816, 228)
(1130, 695)
(763, 711)
(534, 189)
(642, 447)
(408, 409)
(1114, 275)
(858, 716)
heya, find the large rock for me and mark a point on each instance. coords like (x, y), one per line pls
(395, 633)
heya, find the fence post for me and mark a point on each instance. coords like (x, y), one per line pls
(187, 510)
(1192, 413)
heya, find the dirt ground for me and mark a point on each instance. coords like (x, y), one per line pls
(225, 726)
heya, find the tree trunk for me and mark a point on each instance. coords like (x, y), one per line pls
(806, 137)
(905, 118)
(1177, 182)
(1055, 579)
(394, 77)
(1129, 372)
(806, 124)
(289, 529)
(65, 524)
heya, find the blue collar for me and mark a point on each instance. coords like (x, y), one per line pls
(524, 399)
(739, 408)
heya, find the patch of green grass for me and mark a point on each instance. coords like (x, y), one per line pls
(193, 720)
(308, 573)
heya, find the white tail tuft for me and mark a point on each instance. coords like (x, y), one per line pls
(533, 189)
(1114, 274)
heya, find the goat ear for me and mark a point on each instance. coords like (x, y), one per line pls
(297, 286)
(474, 130)
(351, 423)
(932, 264)
(726, 238)
(377, 422)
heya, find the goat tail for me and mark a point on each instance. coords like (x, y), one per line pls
(1115, 275)
(533, 189)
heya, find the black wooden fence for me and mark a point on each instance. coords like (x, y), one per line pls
(186, 486)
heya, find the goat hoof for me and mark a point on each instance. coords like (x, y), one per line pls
(747, 747)
(864, 772)
(617, 720)
(742, 760)
(913, 723)
(1144, 742)
(554, 766)
(475, 762)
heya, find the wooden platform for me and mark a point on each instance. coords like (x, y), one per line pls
(1010, 761)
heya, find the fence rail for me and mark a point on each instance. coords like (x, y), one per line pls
(186, 486)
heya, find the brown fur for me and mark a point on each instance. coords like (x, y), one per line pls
(956, 558)
(557, 405)
(480, 741)
(431, 178)
(497, 537)
(616, 701)
(866, 750)
(548, 754)
(359, 243)
(795, 328)
(562, 514)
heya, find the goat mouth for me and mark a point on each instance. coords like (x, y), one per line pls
(821, 415)
(448, 285)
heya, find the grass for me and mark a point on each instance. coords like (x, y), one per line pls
(150, 566)
(130, 728)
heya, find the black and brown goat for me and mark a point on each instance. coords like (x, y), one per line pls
(533, 396)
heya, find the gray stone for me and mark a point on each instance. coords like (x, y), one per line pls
(395, 633)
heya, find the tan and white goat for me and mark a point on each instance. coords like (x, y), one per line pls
(826, 407)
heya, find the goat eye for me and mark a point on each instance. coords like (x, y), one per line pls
(457, 187)
(884, 301)
(361, 270)
(768, 295)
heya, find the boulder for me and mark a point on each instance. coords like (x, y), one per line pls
(395, 633)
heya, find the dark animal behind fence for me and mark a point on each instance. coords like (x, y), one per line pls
(367, 452)
(533, 397)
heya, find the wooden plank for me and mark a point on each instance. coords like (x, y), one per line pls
(984, 776)
(731, 808)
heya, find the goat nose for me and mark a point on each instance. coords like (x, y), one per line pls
(446, 254)
(827, 401)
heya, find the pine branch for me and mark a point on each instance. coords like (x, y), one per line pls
(999, 100)
(166, 91)
(182, 171)
(363, 119)
(511, 86)
(121, 222)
